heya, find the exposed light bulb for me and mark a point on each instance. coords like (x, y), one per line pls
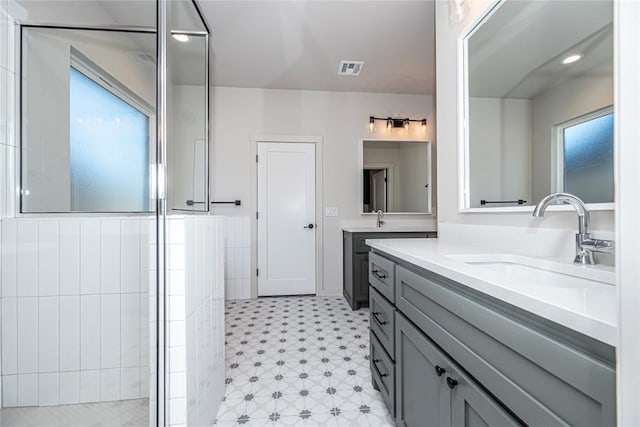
(389, 123)
(406, 124)
(371, 124)
(571, 59)
(181, 37)
(424, 124)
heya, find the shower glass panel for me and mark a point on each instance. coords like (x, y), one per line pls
(88, 120)
(82, 255)
(188, 101)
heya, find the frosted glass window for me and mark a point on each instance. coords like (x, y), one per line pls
(109, 154)
(588, 159)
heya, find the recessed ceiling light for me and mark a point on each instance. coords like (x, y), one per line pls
(181, 37)
(571, 59)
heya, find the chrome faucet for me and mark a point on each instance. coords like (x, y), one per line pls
(380, 216)
(585, 245)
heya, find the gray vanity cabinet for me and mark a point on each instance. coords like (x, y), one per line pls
(430, 387)
(355, 253)
(462, 358)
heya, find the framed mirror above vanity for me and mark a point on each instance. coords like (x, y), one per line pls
(396, 176)
(537, 111)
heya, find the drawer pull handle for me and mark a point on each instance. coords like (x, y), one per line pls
(378, 275)
(375, 316)
(375, 366)
(451, 383)
(440, 371)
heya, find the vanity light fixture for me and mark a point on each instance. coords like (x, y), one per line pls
(396, 123)
(180, 37)
(571, 59)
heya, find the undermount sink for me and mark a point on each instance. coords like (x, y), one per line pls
(544, 273)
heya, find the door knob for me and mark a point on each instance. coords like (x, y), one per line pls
(308, 226)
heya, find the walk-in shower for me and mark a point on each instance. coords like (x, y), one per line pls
(105, 232)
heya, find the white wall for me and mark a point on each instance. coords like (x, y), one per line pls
(500, 149)
(627, 16)
(75, 310)
(239, 115)
(196, 319)
(46, 102)
(448, 107)
(572, 99)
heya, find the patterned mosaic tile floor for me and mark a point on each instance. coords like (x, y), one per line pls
(132, 413)
(299, 361)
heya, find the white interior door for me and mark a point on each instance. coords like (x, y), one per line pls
(286, 219)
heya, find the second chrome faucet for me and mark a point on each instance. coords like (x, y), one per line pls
(585, 245)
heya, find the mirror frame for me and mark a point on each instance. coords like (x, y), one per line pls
(429, 175)
(464, 198)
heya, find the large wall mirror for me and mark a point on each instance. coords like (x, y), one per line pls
(396, 176)
(538, 104)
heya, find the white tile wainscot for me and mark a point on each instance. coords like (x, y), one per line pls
(237, 247)
(196, 318)
(75, 315)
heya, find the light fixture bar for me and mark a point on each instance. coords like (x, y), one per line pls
(392, 122)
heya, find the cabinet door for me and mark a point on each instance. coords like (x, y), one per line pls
(361, 282)
(422, 398)
(472, 407)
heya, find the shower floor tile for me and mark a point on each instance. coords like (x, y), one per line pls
(133, 413)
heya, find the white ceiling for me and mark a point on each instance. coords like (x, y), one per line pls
(299, 44)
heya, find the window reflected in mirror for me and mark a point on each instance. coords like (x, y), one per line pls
(585, 161)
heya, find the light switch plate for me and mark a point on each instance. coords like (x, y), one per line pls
(330, 211)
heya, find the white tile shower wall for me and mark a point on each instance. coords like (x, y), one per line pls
(74, 310)
(196, 318)
(237, 247)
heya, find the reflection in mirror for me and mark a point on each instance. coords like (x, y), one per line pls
(187, 97)
(88, 120)
(539, 81)
(396, 176)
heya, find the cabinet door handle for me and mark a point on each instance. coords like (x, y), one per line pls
(378, 275)
(440, 371)
(375, 316)
(375, 366)
(451, 383)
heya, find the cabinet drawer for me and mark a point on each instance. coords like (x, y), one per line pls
(540, 379)
(382, 275)
(382, 320)
(383, 373)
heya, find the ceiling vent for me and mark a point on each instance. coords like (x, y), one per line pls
(350, 68)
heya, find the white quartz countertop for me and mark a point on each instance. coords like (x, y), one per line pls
(588, 308)
(387, 229)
